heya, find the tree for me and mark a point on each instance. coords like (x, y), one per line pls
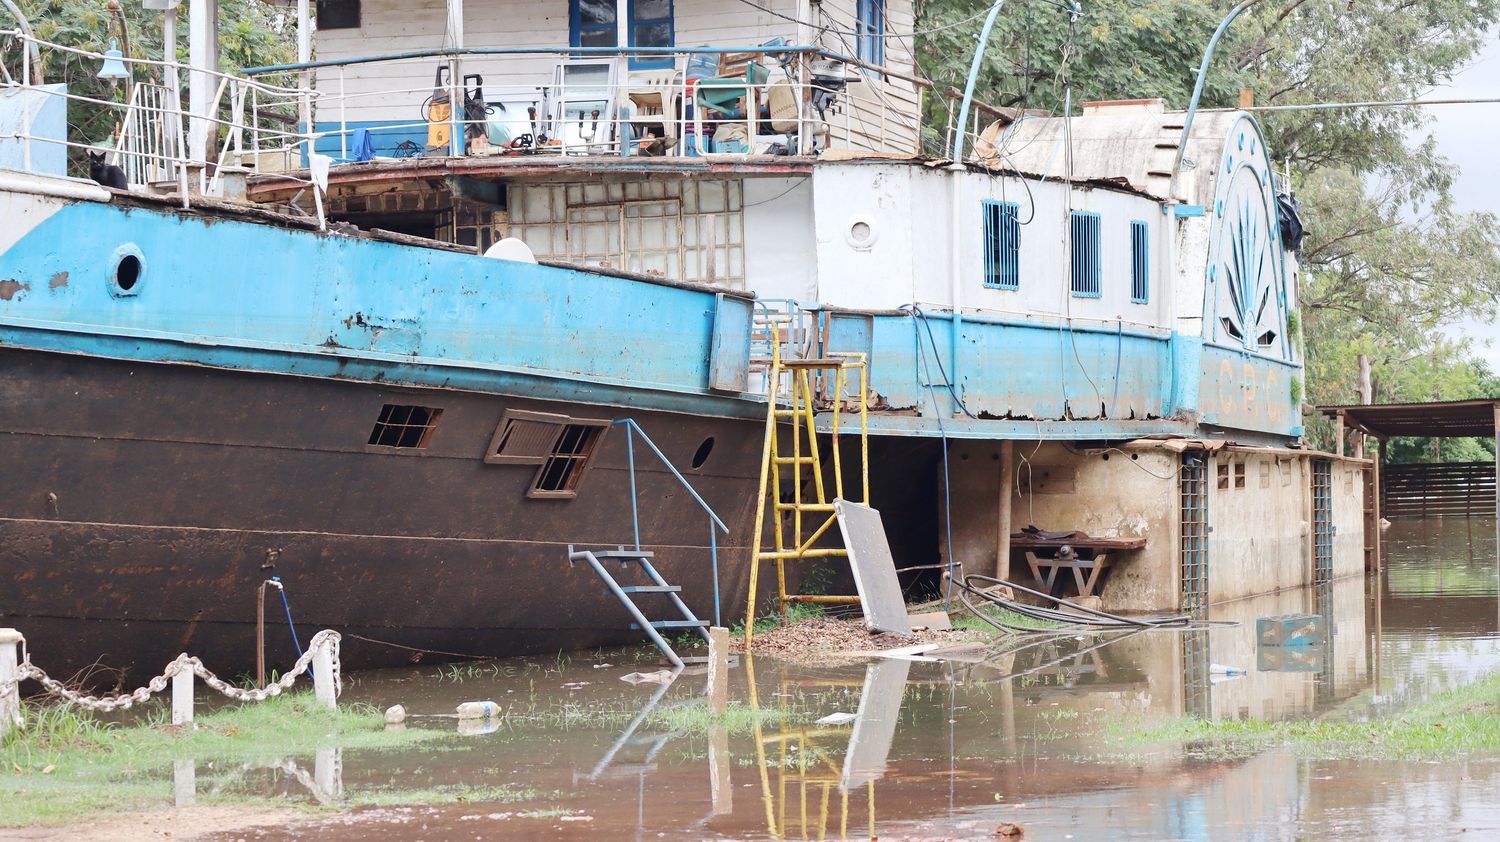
(251, 33)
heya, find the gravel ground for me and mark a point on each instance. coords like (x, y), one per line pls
(826, 639)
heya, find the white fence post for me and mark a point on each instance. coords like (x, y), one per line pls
(10, 689)
(323, 676)
(182, 692)
(184, 781)
(718, 669)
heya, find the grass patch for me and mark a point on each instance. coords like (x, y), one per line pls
(964, 620)
(796, 613)
(695, 718)
(67, 764)
(1459, 722)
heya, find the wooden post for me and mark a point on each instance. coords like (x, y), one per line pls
(260, 635)
(1366, 396)
(1338, 434)
(718, 669)
(1247, 97)
(323, 677)
(10, 694)
(1379, 514)
(1007, 483)
(182, 693)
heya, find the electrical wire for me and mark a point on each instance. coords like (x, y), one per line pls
(1076, 615)
(287, 606)
(914, 33)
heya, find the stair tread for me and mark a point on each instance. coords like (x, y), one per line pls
(652, 588)
(675, 624)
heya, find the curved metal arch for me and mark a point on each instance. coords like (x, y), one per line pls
(1246, 271)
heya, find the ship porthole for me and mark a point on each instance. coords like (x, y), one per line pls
(701, 454)
(862, 233)
(128, 271)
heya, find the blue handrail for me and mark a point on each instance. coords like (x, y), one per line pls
(631, 429)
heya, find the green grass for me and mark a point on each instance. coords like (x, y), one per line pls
(1461, 722)
(67, 764)
(796, 612)
(964, 620)
(695, 718)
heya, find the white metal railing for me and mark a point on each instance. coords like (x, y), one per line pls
(154, 141)
(727, 102)
(151, 139)
(722, 102)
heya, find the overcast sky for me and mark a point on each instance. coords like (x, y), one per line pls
(1466, 137)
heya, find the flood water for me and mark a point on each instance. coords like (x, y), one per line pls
(1037, 735)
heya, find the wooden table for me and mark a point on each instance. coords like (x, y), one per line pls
(1093, 556)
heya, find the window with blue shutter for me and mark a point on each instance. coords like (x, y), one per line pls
(1140, 267)
(869, 31)
(1085, 257)
(1002, 245)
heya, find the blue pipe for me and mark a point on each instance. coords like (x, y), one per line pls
(635, 515)
(1187, 123)
(963, 110)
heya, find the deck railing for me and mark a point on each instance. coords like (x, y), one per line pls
(156, 136)
(688, 101)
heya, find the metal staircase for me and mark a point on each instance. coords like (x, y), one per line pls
(626, 593)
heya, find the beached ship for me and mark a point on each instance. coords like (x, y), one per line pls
(284, 352)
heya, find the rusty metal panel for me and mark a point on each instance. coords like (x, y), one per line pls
(874, 569)
(729, 347)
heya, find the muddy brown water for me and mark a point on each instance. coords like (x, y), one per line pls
(1036, 735)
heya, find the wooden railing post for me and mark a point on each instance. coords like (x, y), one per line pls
(10, 690)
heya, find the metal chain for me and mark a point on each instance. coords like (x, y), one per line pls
(326, 638)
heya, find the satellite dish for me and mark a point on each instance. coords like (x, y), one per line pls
(511, 248)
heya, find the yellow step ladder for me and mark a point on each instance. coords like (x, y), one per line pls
(791, 399)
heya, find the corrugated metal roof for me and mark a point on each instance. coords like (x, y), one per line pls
(1438, 418)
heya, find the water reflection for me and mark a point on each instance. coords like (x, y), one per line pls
(1033, 731)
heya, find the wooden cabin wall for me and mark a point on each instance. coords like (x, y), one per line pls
(882, 114)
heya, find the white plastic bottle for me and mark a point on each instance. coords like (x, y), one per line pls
(478, 710)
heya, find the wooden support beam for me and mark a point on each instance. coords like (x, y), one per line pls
(1003, 519)
(1338, 434)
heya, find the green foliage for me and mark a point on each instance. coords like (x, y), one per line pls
(1296, 390)
(251, 33)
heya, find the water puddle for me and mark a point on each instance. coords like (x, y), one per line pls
(1037, 733)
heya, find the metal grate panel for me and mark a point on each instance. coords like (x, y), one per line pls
(1002, 245)
(1140, 267)
(1322, 489)
(1086, 268)
(1193, 488)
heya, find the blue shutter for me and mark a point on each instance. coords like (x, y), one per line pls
(869, 31)
(1002, 245)
(1086, 268)
(1140, 267)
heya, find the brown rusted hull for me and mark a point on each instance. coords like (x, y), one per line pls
(142, 504)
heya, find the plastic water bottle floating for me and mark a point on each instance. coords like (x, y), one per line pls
(478, 710)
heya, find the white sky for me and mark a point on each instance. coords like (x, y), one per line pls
(1466, 137)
